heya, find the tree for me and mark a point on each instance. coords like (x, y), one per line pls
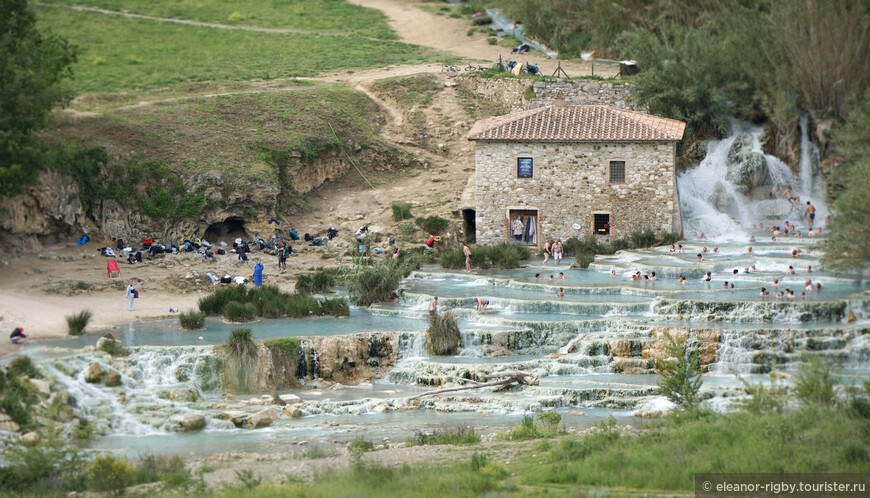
(846, 245)
(681, 377)
(32, 64)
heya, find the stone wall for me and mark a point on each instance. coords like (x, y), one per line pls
(514, 92)
(571, 182)
(583, 92)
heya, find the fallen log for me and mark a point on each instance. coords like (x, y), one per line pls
(521, 378)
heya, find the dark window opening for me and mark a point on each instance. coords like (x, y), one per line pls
(617, 171)
(602, 224)
(226, 230)
(524, 167)
(469, 223)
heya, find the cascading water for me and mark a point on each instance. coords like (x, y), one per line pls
(730, 190)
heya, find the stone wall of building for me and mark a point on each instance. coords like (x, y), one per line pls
(570, 183)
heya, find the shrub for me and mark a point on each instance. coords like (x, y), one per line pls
(645, 238)
(213, 304)
(478, 460)
(482, 20)
(109, 474)
(503, 255)
(23, 365)
(334, 307)
(401, 211)
(453, 258)
(763, 399)
(192, 320)
(76, 323)
(681, 379)
(460, 436)
(169, 470)
(314, 284)
(815, 380)
(377, 283)
(241, 358)
(492, 40)
(432, 224)
(112, 346)
(443, 336)
(239, 312)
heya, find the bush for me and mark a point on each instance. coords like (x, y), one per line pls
(239, 312)
(681, 379)
(334, 307)
(377, 283)
(314, 284)
(241, 359)
(815, 380)
(23, 365)
(460, 436)
(584, 251)
(169, 470)
(109, 474)
(401, 211)
(213, 304)
(482, 20)
(112, 346)
(503, 255)
(443, 336)
(763, 399)
(41, 470)
(192, 320)
(76, 323)
(432, 224)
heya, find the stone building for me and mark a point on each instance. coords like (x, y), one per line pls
(574, 171)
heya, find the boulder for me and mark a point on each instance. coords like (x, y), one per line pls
(30, 438)
(290, 398)
(291, 411)
(184, 395)
(113, 378)
(262, 418)
(7, 424)
(739, 148)
(724, 202)
(187, 422)
(41, 386)
(94, 374)
(237, 417)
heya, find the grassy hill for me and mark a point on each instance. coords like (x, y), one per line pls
(118, 53)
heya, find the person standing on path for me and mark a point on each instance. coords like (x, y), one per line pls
(258, 274)
(557, 252)
(131, 294)
(547, 252)
(282, 257)
(810, 211)
(517, 227)
(467, 253)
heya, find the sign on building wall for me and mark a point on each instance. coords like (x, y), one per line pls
(524, 167)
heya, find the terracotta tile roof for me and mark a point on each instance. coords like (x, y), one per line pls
(577, 123)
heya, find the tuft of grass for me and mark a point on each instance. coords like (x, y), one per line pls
(316, 283)
(443, 336)
(401, 211)
(191, 320)
(77, 323)
(23, 365)
(504, 255)
(432, 224)
(241, 359)
(239, 312)
(546, 427)
(377, 283)
(815, 380)
(458, 436)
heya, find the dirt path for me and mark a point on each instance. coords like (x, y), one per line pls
(414, 25)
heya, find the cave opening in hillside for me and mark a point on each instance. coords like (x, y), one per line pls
(226, 230)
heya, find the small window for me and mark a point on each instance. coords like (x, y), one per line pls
(602, 224)
(617, 171)
(524, 167)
